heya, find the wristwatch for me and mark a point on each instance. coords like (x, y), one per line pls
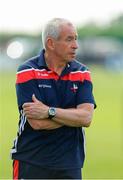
(51, 112)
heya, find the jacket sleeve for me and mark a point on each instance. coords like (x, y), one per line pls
(25, 85)
(85, 90)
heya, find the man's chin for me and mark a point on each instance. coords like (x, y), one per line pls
(72, 58)
(69, 60)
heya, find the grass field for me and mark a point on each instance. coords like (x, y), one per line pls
(104, 139)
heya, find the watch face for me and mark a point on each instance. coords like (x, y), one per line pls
(52, 112)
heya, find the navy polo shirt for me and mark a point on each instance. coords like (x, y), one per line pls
(61, 148)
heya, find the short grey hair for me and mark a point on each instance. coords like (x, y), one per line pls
(52, 29)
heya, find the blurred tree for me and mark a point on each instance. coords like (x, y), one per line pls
(113, 29)
(90, 29)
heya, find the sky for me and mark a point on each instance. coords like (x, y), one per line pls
(31, 15)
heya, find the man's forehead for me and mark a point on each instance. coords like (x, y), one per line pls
(68, 29)
(68, 26)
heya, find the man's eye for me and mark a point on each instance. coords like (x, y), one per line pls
(68, 39)
(71, 39)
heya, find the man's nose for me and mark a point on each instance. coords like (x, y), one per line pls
(75, 45)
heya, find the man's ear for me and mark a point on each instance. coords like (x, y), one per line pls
(50, 43)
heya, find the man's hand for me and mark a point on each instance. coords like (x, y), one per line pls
(36, 109)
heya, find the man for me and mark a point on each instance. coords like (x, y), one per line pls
(55, 101)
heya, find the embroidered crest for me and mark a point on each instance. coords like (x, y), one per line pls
(74, 88)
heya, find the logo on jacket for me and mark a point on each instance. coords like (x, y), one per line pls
(44, 86)
(74, 88)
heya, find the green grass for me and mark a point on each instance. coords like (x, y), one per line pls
(104, 138)
(8, 121)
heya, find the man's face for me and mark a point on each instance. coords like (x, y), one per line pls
(66, 44)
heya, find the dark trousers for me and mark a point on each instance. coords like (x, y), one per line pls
(22, 170)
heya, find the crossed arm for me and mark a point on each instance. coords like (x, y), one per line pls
(37, 115)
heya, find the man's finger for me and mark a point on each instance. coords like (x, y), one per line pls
(26, 105)
(34, 98)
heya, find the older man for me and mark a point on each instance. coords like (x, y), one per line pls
(55, 101)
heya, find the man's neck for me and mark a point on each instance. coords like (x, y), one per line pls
(54, 63)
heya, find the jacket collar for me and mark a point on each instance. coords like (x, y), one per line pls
(42, 63)
(41, 59)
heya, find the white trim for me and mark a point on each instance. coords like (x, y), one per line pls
(14, 150)
(27, 70)
(40, 70)
(84, 138)
(22, 123)
(74, 72)
(20, 130)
